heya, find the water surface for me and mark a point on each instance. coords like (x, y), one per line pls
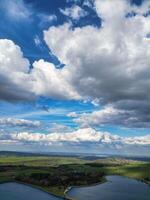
(117, 188)
(15, 191)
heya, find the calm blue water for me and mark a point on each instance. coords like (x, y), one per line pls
(15, 191)
(117, 188)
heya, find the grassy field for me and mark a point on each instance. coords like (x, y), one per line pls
(38, 160)
(55, 174)
(140, 171)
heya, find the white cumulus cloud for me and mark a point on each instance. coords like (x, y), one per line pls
(109, 64)
(83, 135)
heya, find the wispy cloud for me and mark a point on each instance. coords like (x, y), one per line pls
(46, 19)
(5, 122)
(75, 12)
(16, 10)
(40, 113)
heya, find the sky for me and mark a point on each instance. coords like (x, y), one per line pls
(74, 76)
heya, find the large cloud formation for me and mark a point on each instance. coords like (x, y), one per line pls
(109, 63)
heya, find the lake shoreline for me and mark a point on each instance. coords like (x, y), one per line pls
(35, 187)
(107, 180)
(65, 197)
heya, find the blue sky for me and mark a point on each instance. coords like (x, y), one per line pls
(75, 68)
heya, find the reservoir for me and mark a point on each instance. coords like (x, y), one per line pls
(116, 188)
(15, 191)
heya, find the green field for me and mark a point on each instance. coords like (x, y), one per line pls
(55, 174)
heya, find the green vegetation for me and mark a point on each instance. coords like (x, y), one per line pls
(55, 174)
(140, 171)
(38, 160)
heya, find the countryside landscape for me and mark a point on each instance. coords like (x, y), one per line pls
(75, 99)
(54, 174)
